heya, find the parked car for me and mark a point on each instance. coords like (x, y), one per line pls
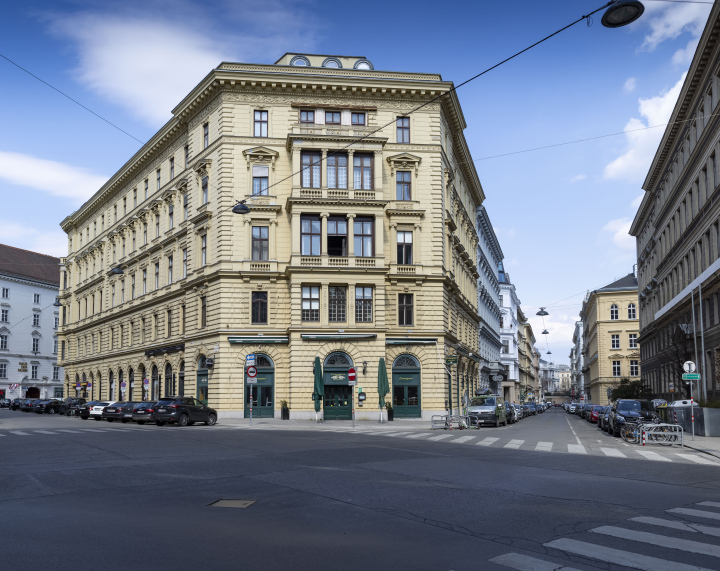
(51, 406)
(85, 408)
(144, 412)
(5, 403)
(630, 409)
(15, 404)
(511, 413)
(531, 408)
(584, 410)
(117, 411)
(603, 418)
(74, 403)
(185, 411)
(94, 409)
(594, 413)
(27, 405)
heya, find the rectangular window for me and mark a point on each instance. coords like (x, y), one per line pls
(124, 211)
(4, 315)
(157, 275)
(402, 183)
(171, 216)
(187, 156)
(403, 129)
(259, 307)
(132, 287)
(3, 370)
(172, 168)
(260, 180)
(615, 342)
(3, 342)
(147, 186)
(405, 309)
(144, 281)
(56, 373)
(185, 207)
(357, 118)
(57, 319)
(363, 172)
(36, 298)
(184, 262)
(133, 240)
(506, 346)
(112, 299)
(5, 292)
(337, 304)
(310, 231)
(404, 248)
(634, 368)
(204, 184)
(203, 311)
(36, 319)
(123, 249)
(33, 371)
(157, 225)
(203, 250)
(332, 117)
(157, 175)
(145, 233)
(632, 341)
(311, 303)
(182, 319)
(616, 368)
(114, 219)
(337, 236)
(337, 171)
(168, 323)
(363, 304)
(260, 243)
(170, 269)
(206, 135)
(307, 116)
(261, 124)
(364, 237)
(311, 170)
(122, 294)
(36, 345)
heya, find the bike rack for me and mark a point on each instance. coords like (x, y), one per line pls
(451, 421)
(659, 433)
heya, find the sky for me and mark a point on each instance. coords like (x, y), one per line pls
(561, 214)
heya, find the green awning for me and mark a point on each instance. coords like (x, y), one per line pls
(258, 339)
(338, 336)
(410, 340)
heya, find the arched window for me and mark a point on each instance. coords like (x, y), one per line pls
(263, 360)
(120, 392)
(131, 385)
(631, 311)
(614, 314)
(406, 362)
(338, 359)
(201, 362)
(181, 379)
(168, 381)
(111, 388)
(155, 383)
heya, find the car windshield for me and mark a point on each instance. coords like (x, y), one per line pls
(628, 405)
(172, 401)
(483, 401)
(647, 406)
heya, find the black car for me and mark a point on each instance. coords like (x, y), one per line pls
(5, 403)
(630, 410)
(51, 406)
(144, 412)
(27, 405)
(121, 411)
(73, 404)
(84, 409)
(184, 411)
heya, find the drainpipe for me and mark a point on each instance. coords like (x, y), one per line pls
(703, 387)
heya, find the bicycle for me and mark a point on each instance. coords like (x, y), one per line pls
(631, 432)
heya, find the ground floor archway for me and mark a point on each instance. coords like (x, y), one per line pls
(406, 387)
(262, 392)
(337, 402)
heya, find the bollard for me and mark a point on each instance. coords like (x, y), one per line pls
(643, 437)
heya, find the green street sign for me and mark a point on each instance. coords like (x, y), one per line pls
(691, 376)
(451, 360)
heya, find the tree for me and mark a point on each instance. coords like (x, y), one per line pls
(630, 390)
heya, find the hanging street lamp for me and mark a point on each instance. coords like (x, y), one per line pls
(621, 13)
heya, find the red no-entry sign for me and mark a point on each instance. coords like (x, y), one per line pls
(251, 372)
(351, 374)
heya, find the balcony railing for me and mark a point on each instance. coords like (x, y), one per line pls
(336, 193)
(337, 261)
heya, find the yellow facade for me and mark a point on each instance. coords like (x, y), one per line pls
(246, 122)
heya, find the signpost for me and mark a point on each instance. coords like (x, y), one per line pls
(251, 373)
(352, 376)
(689, 377)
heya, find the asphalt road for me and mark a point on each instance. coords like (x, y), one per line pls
(82, 494)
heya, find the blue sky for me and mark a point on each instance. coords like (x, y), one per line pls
(561, 214)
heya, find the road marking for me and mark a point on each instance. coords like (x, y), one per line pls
(691, 527)
(441, 436)
(710, 504)
(66, 430)
(620, 557)
(653, 456)
(418, 435)
(45, 432)
(487, 441)
(698, 460)
(544, 446)
(576, 449)
(613, 452)
(514, 444)
(525, 563)
(398, 434)
(19, 432)
(462, 439)
(660, 540)
(696, 513)
(93, 430)
(573, 431)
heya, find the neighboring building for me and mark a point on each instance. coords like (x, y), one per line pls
(562, 379)
(577, 363)
(489, 258)
(610, 331)
(509, 337)
(28, 325)
(677, 232)
(352, 251)
(526, 358)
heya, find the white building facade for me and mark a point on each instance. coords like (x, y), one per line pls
(29, 320)
(577, 378)
(509, 324)
(489, 259)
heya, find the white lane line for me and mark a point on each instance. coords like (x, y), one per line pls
(525, 563)
(710, 504)
(462, 439)
(544, 446)
(418, 435)
(514, 444)
(576, 449)
(394, 434)
(653, 456)
(691, 527)
(613, 452)
(620, 557)
(660, 540)
(92, 430)
(19, 432)
(487, 441)
(440, 436)
(696, 513)
(573, 431)
(66, 430)
(698, 459)
(45, 432)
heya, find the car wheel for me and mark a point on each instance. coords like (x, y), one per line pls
(497, 422)
(160, 422)
(51, 411)
(212, 419)
(615, 431)
(182, 420)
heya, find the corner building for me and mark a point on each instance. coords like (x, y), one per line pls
(360, 244)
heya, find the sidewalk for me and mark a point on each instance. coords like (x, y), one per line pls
(406, 425)
(708, 444)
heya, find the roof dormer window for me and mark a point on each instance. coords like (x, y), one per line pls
(332, 62)
(300, 61)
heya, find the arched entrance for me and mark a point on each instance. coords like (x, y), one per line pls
(84, 387)
(144, 387)
(77, 386)
(169, 389)
(131, 384)
(337, 404)
(154, 383)
(111, 388)
(202, 381)
(181, 380)
(406, 387)
(33, 393)
(263, 392)
(122, 386)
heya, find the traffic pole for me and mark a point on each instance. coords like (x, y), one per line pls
(352, 395)
(692, 410)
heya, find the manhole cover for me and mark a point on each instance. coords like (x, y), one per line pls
(232, 503)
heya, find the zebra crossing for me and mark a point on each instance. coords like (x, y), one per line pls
(103, 429)
(627, 452)
(673, 540)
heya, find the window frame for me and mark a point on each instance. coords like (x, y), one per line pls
(402, 126)
(364, 304)
(332, 166)
(354, 116)
(632, 341)
(337, 304)
(309, 116)
(406, 303)
(204, 184)
(311, 170)
(403, 188)
(261, 124)
(334, 221)
(333, 114)
(206, 135)
(262, 243)
(370, 178)
(360, 253)
(203, 250)
(616, 372)
(311, 219)
(258, 308)
(203, 311)
(313, 314)
(404, 248)
(615, 341)
(634, 368)
(614, 312)
(632, 311)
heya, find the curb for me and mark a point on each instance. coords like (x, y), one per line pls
(714, 453)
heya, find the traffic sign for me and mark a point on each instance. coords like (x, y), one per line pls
(451, 359)
(351, 375)
(251, 372)
(691, 377)
(250, 360)
(689, 367)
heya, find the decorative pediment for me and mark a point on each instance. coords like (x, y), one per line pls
(404, 161)
(182, 185)
(4, 330)
(260, 156)
(202, 168)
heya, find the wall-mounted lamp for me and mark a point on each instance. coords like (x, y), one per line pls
(364, 367)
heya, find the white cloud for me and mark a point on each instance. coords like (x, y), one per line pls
(668, 20)
(23, 236)
(147, 60)
(620, 237)
(634, 164)
(560, 327)
(511, 232)
(577, 178)
(630, 84)
(58, 179)
(635, 204)
(683, 57)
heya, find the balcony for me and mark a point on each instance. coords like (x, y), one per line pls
(336, 193)
(326, 261)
